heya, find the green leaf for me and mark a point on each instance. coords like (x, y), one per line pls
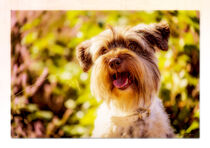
(193, 126)
(32, 107)
(30, 38)
(46, 115)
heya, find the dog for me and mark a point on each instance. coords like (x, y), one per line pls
(126, 77)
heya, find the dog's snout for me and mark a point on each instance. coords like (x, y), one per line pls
(115, 63)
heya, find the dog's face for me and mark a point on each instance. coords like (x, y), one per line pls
(125, 68)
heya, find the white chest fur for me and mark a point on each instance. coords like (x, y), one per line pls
(110, 123)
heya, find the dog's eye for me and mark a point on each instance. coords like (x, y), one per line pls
(103, 51)
(132, 45)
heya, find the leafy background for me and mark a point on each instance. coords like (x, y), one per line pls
(50, 94)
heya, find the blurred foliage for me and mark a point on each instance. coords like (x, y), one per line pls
(50, 94)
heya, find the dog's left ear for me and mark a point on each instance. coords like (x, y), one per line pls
(156, 34)
(83, 55)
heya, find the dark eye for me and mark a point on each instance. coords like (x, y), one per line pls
(133, 45)
(103, 51)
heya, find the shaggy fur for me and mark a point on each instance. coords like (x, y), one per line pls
(126, 77)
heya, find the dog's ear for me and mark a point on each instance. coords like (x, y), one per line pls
(155, 34)
(84, 56)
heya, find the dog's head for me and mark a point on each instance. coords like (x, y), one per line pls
(124, 64)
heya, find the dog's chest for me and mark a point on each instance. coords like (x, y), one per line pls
(112, 124)
(142, 123)
(128, 127)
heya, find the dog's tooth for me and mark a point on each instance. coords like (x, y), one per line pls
(126, 82)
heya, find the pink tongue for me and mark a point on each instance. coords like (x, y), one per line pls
(121, 81)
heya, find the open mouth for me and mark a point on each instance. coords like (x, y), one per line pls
(121, 80)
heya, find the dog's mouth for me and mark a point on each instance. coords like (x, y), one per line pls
(122, 80)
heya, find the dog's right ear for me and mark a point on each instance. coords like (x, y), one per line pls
(84, 56)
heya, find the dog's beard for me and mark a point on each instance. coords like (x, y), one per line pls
(127, 88)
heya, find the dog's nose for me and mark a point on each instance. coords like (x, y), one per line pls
(115, 63)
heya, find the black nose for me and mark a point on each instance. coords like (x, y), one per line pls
(115, 63)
